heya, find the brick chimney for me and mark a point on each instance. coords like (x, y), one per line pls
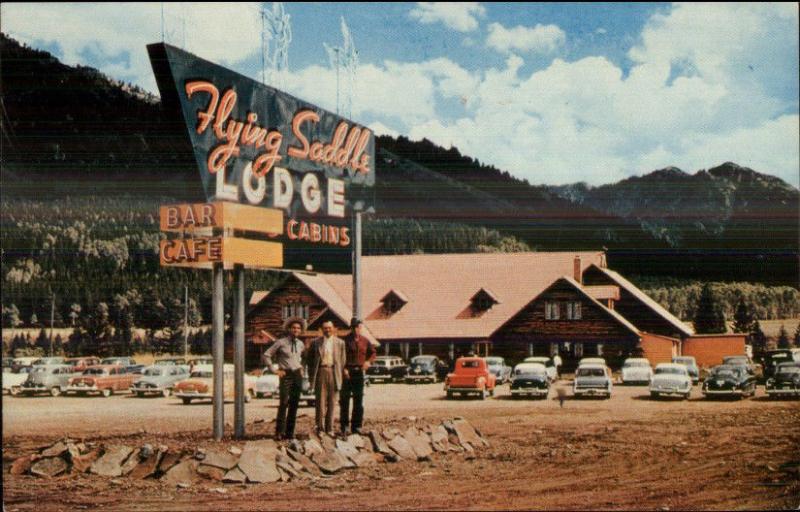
(576, 270)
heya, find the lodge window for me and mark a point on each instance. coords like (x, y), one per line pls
(295, 310)
(551, 311)
(573, 310)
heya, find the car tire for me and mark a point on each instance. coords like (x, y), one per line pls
(654, 395)
(55, 391)
(686, 396)
(15, 391)
(483, 394)
(259, 395)
(166, 393)
(450, 395)
(491, 392)
(107, 392)
(139, 394)
(186, 401)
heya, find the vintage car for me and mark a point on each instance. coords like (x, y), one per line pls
(785, 381)
(744, 361)
(51, 378)
(772, 358)
(636, 370)
(425, 369)
(592, 379)
(267, 385)
(552, 374)
(200, 384)
(20, 362)
(81, 363)
(691, 366)
(470, 375)
(530, 379)
(387, 368)
(591, 360)
(43, 361)
(13, 380)
(729, 380)
(671, 379)
(118, 361)
(103, 379)
(498, 367)
(158, 380)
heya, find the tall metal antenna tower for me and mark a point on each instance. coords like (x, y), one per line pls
(344, 57)
(276, 35)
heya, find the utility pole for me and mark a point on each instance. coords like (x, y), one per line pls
(52, 319)
(238, 351)
(357, 264)
(186, 320)
(218, 349)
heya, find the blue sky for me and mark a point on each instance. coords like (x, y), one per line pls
(554, 93)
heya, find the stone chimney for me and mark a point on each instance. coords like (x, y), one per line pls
(576, 270)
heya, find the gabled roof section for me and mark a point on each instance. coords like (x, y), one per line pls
(320, 287)
(258, 297)
(603, 292)
(610, 312)
(646, 300)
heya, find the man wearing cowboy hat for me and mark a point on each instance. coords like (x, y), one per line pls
(288, 353)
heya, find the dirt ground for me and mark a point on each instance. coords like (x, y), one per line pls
(629, 452)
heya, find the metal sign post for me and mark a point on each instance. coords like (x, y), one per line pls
(218, 349)
(238, 350)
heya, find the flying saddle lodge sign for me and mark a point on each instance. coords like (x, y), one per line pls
(272, 166)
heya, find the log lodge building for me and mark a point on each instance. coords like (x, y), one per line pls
(509, 304)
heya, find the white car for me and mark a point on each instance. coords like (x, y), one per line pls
(12, 382)
(671, 379)
(636, 370)
(267, 385)
(548, 366)
(592, 360)
(592, 379)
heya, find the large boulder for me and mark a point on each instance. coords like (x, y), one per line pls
(220, 459)
(420, 443)
(402, 448)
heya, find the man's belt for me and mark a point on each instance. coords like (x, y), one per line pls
(326, 366)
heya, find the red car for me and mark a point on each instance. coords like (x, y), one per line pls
(103, 379)
(471, 375)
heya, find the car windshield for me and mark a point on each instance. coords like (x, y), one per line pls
(470, 364)
(380, 362)
(422, 361)
(201, 375)
(591, 372)
(39, 369)
(94, 371)
(726, 371)
(670, 371)
(683, 360)
(151, 372)
(529, 372)
(636, 364)
(735, 360)
(494, 361)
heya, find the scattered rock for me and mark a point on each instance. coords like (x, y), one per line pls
(55, 450)
(411, 418)
(168, 461)
(466, 433)
(148, 466)
(328, 462)
(82, 463)
(235, 450)
(234, 476)
(390, 433)
(185, 472)
(379, 444)
(21, 466)
(362, 459)
(287, 468)
(357, 441)
(312, 446)
(199, 454)
(347, 449)
(327, 442)
(258, 461)
(419, 442)
(184, 485)
(49, 467)
(402, 448)
(220, 459)
(146, 451)
(131, 463)
(308, 464)
(439, 440)
(211, 472)
(220, 490)
(110, 464)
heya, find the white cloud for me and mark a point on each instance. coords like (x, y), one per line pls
(539, 39)
(220, 32)
(379, 128)
(461, 16)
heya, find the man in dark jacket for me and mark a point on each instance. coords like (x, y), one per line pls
(360, 354)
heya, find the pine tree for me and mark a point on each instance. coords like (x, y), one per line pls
(709, 318)
(758, 340)
(743, 318)
(783, 338)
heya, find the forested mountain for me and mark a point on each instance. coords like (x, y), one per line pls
(86, 161)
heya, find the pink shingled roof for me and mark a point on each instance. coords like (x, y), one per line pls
(439, 287)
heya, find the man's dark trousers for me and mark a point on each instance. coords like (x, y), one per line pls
(352, 388)
(291, 385)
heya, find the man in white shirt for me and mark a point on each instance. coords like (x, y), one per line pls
(557, 364)
(326, 360)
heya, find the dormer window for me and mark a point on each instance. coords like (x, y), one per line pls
(393, 301)
(483, 300)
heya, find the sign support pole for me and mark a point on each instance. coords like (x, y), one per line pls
(238, 351)
(218, 349)
(357, 265)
